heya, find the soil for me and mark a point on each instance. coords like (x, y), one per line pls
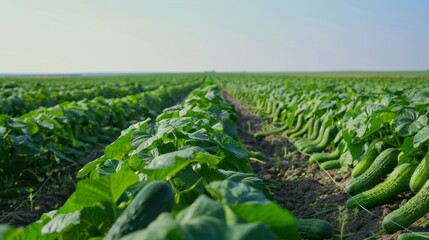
(50, 192)
(303, 188)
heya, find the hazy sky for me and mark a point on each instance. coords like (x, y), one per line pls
(59, 36)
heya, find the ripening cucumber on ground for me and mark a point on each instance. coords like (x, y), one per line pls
(411, 211)
(319, 138)
(328, 136)
(368, 157)
(312, 136)
(331, 164)
(326, 156)
(301, 132)
(414, 236)
(383, 164)
(420, 175)
(298, 126)
(314, 229)
(263, 134)
(395, 183)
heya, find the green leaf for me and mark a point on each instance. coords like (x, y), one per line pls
(61, 223)
(205, 219)
(421, 137)
(105, 189)
(122, 145)
(167, 165)
(254, 231)
(232, 193)
(165, 227)
(202, 206)
(280, 220)
(89, 167)
(8, 232)
(251, 180)
(409, 121)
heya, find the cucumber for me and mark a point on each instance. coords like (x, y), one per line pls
(310, 126)
(323, 157)
(314, 229)
(263, 134)
(331, 164)
(313, 136)
(395, 183)
(298, 125)
(420, 175)
(277, 112)
(408, 213)
(383, 164)
(319, 138)
(367, 158)
(155, 198)
(300, 132)
(414, 236)
(328, 136)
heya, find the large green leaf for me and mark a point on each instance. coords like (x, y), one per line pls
(167, 165)
(61, 223)
(232, 193)
(202, 220)
(105, 189)
(422, 137)
(122, 145)
(8, 232)
(409, 121)
(280, 220)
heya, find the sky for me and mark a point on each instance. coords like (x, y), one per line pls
(90, 36)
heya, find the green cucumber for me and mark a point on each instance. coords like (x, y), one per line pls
(155, 198)
(420, 175)
(314, 229)
(331, 164)
(323, 157)
(310, 126)
(368, 158)
(383, 164)
(319, 138)
(328, 136)
(407, 214)
(395, 183)
(298, 125)
(414, 236)
(313, 136)
(263, 134)
(300, 132)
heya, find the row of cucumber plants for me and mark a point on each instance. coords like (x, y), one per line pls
(23, 96)
(184, 176)
(36, 141)
(375, 128)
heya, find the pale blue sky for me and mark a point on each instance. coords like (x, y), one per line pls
(58, 36)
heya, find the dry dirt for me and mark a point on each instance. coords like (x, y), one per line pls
(303, 188)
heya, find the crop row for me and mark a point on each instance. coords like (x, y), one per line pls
(185, 176)
(375, 128)
(45, 137)
(22, 97)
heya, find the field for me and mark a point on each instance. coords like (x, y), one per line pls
(215, 156)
